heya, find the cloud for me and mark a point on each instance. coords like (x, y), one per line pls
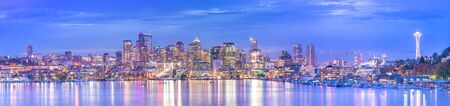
(213, 11)
(356, 8)
(266, 4)
(76, 25)
(44, 14)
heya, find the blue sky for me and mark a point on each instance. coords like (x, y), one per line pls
(335, 27)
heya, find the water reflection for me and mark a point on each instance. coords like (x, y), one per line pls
(222, 92)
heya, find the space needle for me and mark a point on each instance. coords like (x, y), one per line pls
(417, 35)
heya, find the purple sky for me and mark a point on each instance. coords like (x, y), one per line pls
(335, 27)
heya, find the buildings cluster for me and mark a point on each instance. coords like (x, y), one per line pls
(142, 60)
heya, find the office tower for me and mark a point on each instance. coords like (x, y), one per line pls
(298, 58)
(254, 52)
(68, 56)
(193, 54)
(286, 57)
(29, 50)
(157, 54)
(178, 52)
(216, 53)
(311, 55)
(105, 57)
(135, 54)
(141, 52)
(119, 57)
(127, 51)
(417, 35)
(229, 58)
(146, 40)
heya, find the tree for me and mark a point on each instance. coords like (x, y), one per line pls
(444, 70)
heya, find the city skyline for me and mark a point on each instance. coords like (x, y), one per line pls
(371, 27)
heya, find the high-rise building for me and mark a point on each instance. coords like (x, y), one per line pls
(68, 55)
(298, 58)
(254, 52)
(229, 58)
(192, 54)
(29, 50)
(141, 52)
(119, 57)
(146, 40)
(178, 52)
(286, 58)
(417, 36)
(127, 51)
(311, 55)
(105, 57)
(216, 53)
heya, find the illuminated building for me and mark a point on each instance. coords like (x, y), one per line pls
(105, 57)
(298, 58)
(68, 55)
(255, 56)
(127, 51)
(29, 50)
(229, 58)
(216, 58)
(311, 55)
(339, 62)
(193, 54)
(119, 57)
(146, 40)
(285, 58)
(178, 52)
(417, 36)
(217, 53)
(157, 54)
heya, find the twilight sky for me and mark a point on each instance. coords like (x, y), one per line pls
(335, 27)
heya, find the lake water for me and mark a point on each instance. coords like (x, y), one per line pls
(204, 93)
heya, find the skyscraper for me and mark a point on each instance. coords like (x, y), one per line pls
(254, 51)
(105, 57)
(417, 35)
(298, 58)
(68, 56)
(192, 53)
(127, 51)
(29, 50)
(229, 58)
(119, 57)
(311, 55)
(146, 40)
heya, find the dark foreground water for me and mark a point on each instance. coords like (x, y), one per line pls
(204, 93)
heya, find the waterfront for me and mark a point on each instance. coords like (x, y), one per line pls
(204, 92)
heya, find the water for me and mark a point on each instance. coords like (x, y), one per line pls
(200, 93)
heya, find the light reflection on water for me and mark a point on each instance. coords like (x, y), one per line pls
(198, 92)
